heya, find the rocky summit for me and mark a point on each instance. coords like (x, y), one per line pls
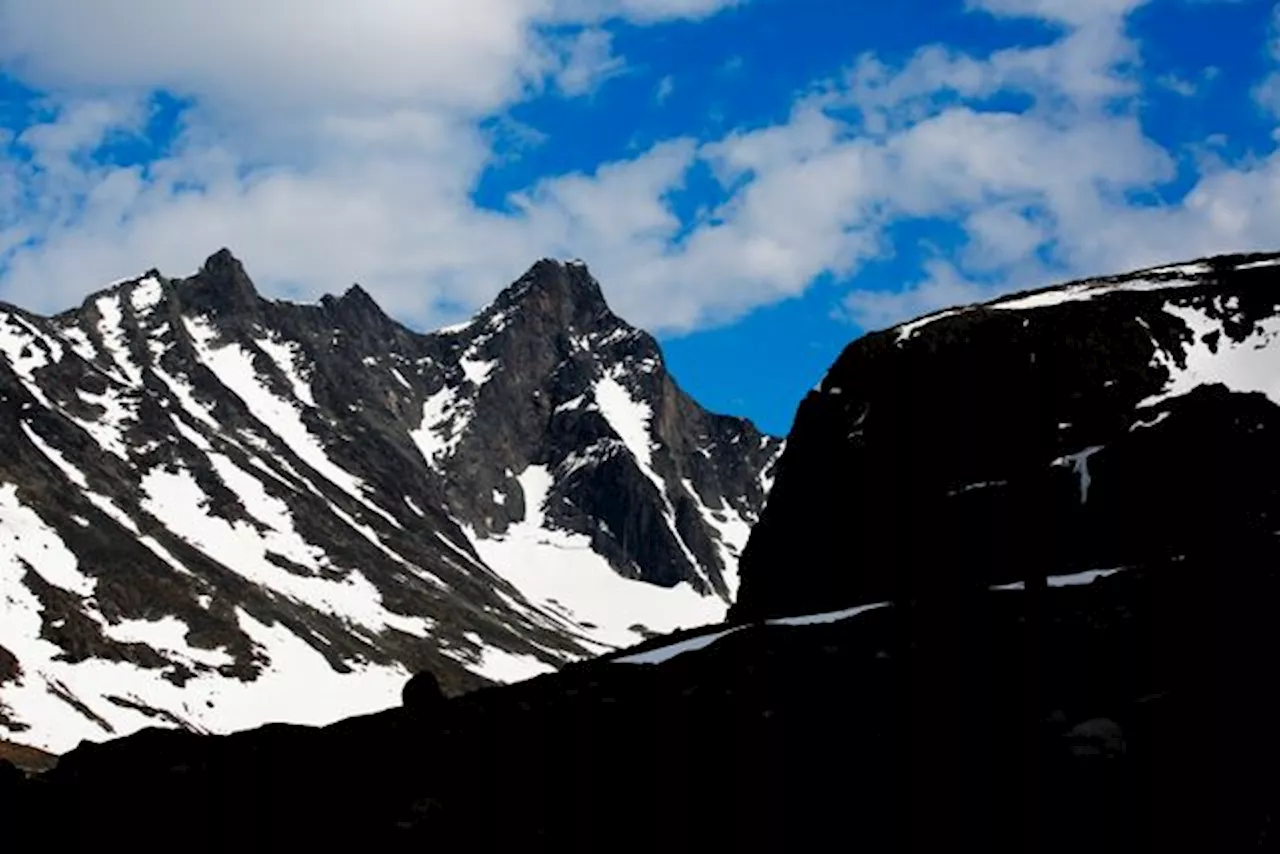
(219, 510)
(1014, 591)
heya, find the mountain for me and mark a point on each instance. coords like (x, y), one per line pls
(1082, 662)
(218, 510)
(1078, 662)
(1092, 426)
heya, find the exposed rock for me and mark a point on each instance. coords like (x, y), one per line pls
(422, 694)
(213, 490)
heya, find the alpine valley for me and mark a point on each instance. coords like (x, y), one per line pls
(1014, 588)
(219, 510)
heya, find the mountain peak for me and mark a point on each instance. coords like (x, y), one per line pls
(222, 260)
(563, 291)
(358, 310)
(357, 295)
(222, 285)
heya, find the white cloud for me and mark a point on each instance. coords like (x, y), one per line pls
(371, 181)
(326, 55)
(665, 87)
(642, 11)
(329, 141)
(941, 286)
(1178, 85)
(589, 61)
(1074, 13)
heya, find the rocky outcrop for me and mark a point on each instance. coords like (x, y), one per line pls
(1097, 425)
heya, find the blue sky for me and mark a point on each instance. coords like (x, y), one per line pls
(757, 181)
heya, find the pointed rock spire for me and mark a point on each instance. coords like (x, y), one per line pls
(222, 286)
(564, 294)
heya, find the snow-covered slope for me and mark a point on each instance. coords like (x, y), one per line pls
(218, 510)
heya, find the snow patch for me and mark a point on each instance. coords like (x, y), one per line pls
(1254, 265)
(109, 428)
(1244, 366)
(559, 574)
(435, 436)
(167, 635)
(1178, 277)
(26, 349)
(666, 653)
(1074, 579)
(499, 665)
(568, 405)
(908, 330)
(79, 342)
(827, 617)
(400, 379)
(630, 419)
(28, 542)
(477, 372)
(288, 358)
(145, 296)
(1079, 462)
(114, 338)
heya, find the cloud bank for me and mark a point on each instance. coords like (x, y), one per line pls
(328, 142)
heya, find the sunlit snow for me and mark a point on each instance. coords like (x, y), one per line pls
(477, 372)
(288, 358)
(145, 296)
(177, 500)
(115, 339)
(234, 368)
(435, 436)
(1245, 366)
(167, 635)
(550, 567)
(25, 538)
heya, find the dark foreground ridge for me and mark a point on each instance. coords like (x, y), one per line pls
(1155, 733)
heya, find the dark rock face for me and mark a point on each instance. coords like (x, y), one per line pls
(422, 693)
(575, 389)
(1093, 426)
(203, 480)
(10, 670)
(10, 779)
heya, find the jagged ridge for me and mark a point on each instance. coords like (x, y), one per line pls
(217, 497)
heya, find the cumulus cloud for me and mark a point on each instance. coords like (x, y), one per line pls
(942, 285)
(335, 149)
(325, 141)
(1044, 194)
